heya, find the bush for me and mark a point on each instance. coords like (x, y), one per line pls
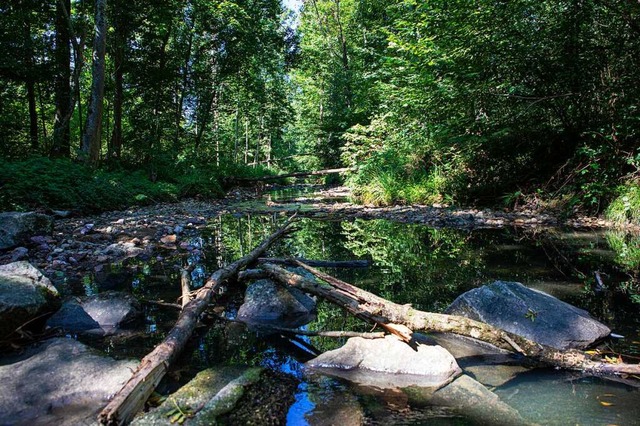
(625, 208)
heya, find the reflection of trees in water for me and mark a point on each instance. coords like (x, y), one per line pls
(424, 266)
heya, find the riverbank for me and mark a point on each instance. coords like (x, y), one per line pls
(90, 244)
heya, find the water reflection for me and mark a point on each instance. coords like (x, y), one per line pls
(428, 268)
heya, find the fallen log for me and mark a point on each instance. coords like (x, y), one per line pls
(318, 263)
(131, 398)
(297, 174)
(377, 310)
(312, 333)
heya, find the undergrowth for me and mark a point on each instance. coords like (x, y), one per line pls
(43, 183)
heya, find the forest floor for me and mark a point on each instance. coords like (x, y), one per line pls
(90, 244)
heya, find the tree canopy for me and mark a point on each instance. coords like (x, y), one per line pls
(434, 101)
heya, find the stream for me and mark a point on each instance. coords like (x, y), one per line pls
(411, 263)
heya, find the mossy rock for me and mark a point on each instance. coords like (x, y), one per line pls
(212, 393)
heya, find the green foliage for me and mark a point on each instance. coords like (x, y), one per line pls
(625, 208)
(62, 184)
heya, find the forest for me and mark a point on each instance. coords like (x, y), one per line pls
(319, 212)
(525, 104)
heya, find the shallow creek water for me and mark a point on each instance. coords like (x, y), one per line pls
(415, 264)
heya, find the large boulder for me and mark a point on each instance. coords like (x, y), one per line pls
(60, 381)
(530, 313)
(389, 363)
(24, 295)
(16, 228)
(265, 302)
(101, 314)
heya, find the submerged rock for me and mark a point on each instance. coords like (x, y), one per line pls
(60, 381)
(530, 313)
(265, 302)
(24, 295)
(389, 362)
(101, 314)
(485, 363)
(16, 228)
(469, 399)
(212, 393)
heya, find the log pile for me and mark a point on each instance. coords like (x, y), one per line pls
(131, 398)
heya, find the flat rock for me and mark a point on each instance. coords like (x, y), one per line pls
(16, 228)
(24, 295)
(388, 363)
(530, 313)
(60, 381)
(265, 302)
(101, 314)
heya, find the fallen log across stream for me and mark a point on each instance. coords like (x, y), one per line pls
(359, 263)
(131, 398)
(393, 316)
(297, 174)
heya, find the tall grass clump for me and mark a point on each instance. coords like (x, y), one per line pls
(625, 208)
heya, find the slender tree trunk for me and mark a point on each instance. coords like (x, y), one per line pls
(118, 95)
(236, 134)
(183, 88)
(259, 142)
(246, 140)
(33, 115)
(61, 129)
(91, 140)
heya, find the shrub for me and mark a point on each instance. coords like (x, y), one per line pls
(625, 208)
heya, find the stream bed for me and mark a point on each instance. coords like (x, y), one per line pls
(411, 263)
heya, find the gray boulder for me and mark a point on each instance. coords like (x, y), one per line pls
(530, 313)
(101, 314)
(60, 381)
(265, 302)
(389, 363)
(16, 228)
(24, 295)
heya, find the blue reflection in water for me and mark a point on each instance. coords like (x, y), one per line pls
(300, 409)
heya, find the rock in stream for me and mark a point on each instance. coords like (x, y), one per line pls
(25, 294)
(530, 313)
(59, 381)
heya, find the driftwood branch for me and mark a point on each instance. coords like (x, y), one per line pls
(131, 398)
(312, 333)
(318, 263)
(377, 310)
(297, 174)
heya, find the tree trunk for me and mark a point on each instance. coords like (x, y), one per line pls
(183, 88)
(118, 91)
(33, 114)
(61, 129)
(131, 398)
(91, 140)
(377, 310)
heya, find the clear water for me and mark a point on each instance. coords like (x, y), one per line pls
(428, 268)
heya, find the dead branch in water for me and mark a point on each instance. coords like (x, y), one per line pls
(377, 310)
(318, 263)
(131, 398)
